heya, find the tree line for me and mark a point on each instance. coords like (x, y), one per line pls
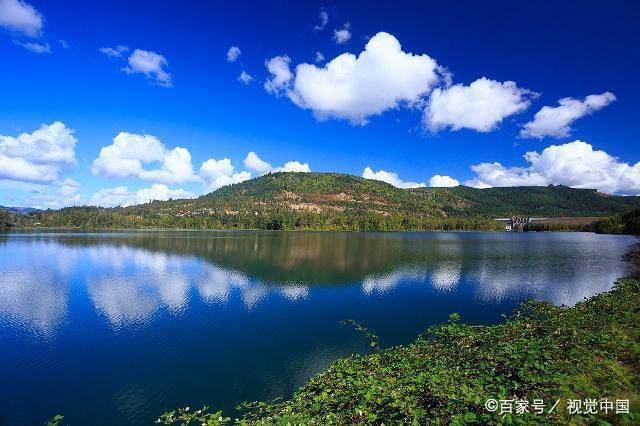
(277, 219)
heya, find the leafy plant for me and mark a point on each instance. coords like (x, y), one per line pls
(55, 420)
(372, 339)
(184, 416)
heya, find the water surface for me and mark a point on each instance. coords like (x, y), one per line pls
(115, 328)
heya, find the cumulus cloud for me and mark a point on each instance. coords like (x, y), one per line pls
(575, 164)
(116, 51)
(353, 87)
(495, 174)
(293, 166)
(134, 155)
(129, 153)
(389, 177)
(233, 53)
(342, 35)
(20, 17)
(175, 168)
(221, 173)
(245, 77)
(556, 121)
(151, 64)
(323, 16)
(319, 57)
(34, 47)
(481, 106)
(278, 67)
(121, 196)
(437, 181)
(37, 157)
(255, 163)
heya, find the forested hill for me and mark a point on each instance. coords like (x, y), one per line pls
(338, 201)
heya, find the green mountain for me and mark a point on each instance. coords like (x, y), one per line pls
(345, 202)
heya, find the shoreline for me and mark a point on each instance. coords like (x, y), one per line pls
(151, 229)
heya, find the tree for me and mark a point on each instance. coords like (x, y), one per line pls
(5, 219)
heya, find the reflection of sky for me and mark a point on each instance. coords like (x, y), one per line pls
(31, 300)
(129, 286)
(561, 273)
(134, 284)
(34, 286)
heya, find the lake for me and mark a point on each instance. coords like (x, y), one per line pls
(115, 328)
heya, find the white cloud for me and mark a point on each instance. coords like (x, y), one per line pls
(175, 168)
(481, 106)
(233, 53)
(34, 47)
(278, 66)
(151, 64)
(37, 157)
(255, 163)
(442, 181)
(114, 52)
(245, 77)
(112, 197)
(342, 35)
(293, 166)
(323, 16)
(556, 121)
(128, 154)
(161, 192)
(354, 87)
(219, 173)
(69, 187)
(389, 177)
(125, 156)
(20, 17)
(121, 196)
(495, 174)
(575, 164)
(319, 57)
(63, 194)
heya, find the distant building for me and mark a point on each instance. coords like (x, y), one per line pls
(515, 223)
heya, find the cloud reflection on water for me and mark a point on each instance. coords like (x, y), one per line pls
(130, 285)
(32, 301)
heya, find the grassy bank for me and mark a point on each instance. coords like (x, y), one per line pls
(591, 350)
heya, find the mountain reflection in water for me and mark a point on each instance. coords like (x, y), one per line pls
(133, 275)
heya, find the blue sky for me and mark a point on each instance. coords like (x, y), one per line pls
(457, 91)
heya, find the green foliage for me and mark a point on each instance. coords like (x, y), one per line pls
(556, 227)
(624, 223)
(183, 417)
(330, 201)
(55, 420)
(591, 350)
(5, 219)
(540, 201)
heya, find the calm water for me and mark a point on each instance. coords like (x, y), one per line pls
(115, 328)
